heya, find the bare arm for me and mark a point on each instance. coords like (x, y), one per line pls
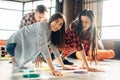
(83, 56)
(52, 68)
(85, 63)
(59, 59)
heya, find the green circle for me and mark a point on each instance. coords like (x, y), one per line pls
(31, 75)
(31, 70)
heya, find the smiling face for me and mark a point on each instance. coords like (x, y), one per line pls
(57, 24)
(86, 22)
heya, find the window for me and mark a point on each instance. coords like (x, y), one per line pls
(29, 7)
(11, 15)
(111, 19)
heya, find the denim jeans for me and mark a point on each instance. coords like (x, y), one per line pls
(10, 47)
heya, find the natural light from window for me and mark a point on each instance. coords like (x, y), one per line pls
(111, 19)
(11, 15)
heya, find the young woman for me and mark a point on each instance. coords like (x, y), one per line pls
(28, 42)
(81, 37)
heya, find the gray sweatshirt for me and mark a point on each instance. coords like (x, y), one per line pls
(31, 40)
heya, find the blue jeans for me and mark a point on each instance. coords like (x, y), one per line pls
(10, 47)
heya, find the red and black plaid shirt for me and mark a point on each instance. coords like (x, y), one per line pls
(74, 41)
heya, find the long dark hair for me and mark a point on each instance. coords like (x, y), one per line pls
(58, 37)
(92, 29)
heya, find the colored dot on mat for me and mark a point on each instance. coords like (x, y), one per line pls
(59, 66)
(26, 71)
(79, 72)
(31, 75)
(31, 70)
(21, 71)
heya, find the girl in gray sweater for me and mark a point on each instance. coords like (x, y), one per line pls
(28, 42)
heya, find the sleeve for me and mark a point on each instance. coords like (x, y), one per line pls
(23, 22)
(69, 37)
(69, 41)
(55, 50)
(42, 44)
(45, 51)
(86, 44)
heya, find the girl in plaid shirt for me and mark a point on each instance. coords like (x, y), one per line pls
(81, 36)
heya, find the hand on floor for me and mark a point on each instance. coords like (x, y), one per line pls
(38, 62)
(95, 70)
(57, 73)
(92, 69)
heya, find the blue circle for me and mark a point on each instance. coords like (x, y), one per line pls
(31, 75)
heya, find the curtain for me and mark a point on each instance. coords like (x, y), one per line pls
(71, 9)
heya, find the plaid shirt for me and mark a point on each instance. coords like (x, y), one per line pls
(27, 20)
(74, 41)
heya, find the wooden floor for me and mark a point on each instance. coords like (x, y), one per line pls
(111, 67)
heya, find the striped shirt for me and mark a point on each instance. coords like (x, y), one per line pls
(32, 40)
